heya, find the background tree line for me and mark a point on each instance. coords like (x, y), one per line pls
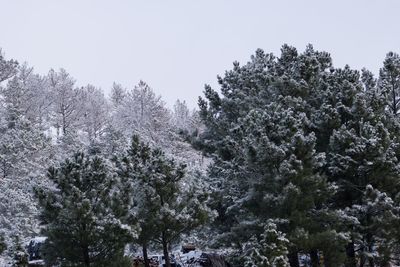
(48, 121)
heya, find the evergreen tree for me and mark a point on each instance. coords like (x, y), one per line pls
(95, 112)
(389, 81)
(132, 166)
(118, 93)
(270, 251)
(142, 112)
(113, 141)
(167, 205)
(28, 92)
(297, 141)
(375, 214)
(66, 106)
(267, 157)
(24, 151)
(181, 116)
(82, 214)
(8, 68)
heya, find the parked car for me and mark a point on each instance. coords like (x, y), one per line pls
(196, 258)
(160, 260)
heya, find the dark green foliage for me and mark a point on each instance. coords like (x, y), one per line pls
(298, 141)
(82, 214)
(269, 250)
(389, 82)
(164, 207)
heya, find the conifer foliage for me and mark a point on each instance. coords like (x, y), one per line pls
(292, 162)
(167, 205)
(83, 214)
(302, 143)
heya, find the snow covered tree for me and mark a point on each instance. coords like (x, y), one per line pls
(293, 140)
(8, 68)
(181, 116)
(140, 111)
(95, 112)
(389, 81)
(144, 113)
(375, 214)
(118, 93)
(297, 140)
(24, 153)
(82, 214)
(362, 150)
(267, 162)
(268, 251)
(29, 93)
(113, 142)
(167, 205)
(130, 167)
(65, 102)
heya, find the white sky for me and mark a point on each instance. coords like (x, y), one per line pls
(178, 46)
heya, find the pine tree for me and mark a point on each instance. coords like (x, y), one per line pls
(389, 81)
(29, 92)
(66, 107)
(362, 149)
(131, 166)
(118, 93)
(297, 140)
(268, 159)
(167, 205)
(8, 68)
(375, 214)
(82, 214)
(143, 112)
(181, 116)
(270, 251)
(24, 153)
(113, 141)
(95, 112)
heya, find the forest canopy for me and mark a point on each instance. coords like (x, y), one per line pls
(290, 160)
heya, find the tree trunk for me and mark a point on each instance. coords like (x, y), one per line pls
(293, 259)
(370, 243)
(145, 256)
(314, 258)
(64, 121)
(86, 258)
(351, 255)
(363, 260)
(326, 260)
(371, 262)
(165, 250)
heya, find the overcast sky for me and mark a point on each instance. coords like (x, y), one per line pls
(178, 46)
